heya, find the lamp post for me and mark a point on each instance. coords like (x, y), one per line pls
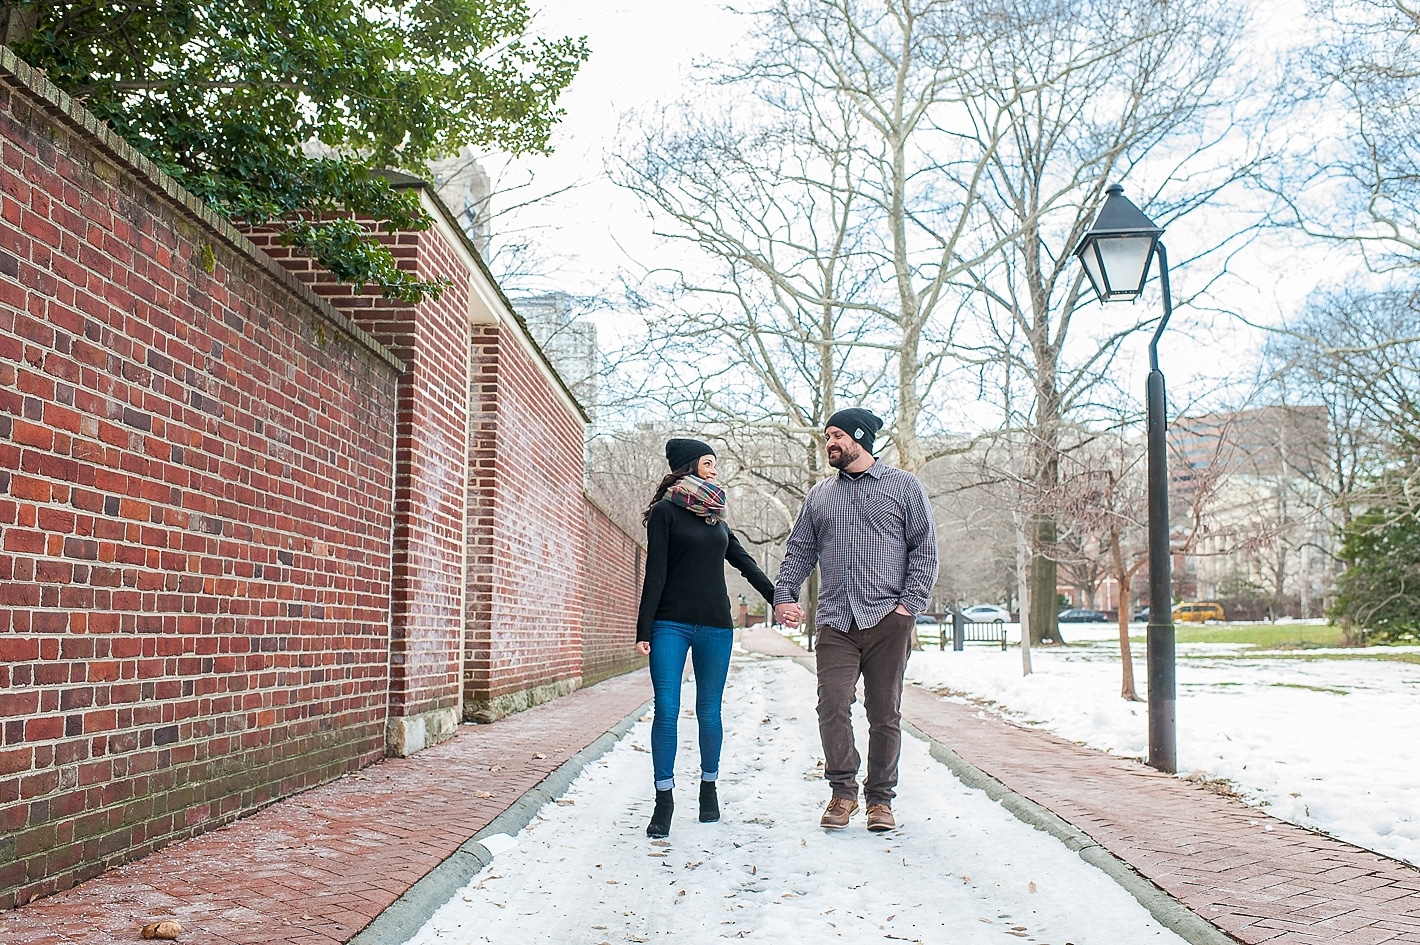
(1116, 253)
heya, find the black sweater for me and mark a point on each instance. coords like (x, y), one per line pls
(685, 570)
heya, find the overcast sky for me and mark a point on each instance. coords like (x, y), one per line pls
(643, 52)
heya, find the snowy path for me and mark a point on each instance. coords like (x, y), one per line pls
(958, 870)
(1332, 744)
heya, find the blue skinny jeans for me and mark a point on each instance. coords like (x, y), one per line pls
(709, 649)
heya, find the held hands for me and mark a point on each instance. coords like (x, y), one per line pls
(790, 615)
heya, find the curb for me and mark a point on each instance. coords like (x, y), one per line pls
(407, 914)
(1166, 910)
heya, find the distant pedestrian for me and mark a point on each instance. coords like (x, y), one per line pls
(686, 608)
(869, 530)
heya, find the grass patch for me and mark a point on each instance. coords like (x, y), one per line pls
(1292, 685)
(1266, 636)
(1413, 658)
(1388, 657)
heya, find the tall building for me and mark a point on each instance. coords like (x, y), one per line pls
(466, 189)
(569, 341)
(1263, 441)
(1258, 477)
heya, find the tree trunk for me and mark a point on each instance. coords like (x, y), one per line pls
(1305, 590)
(1126, 655)
(909, 407)
(1043, 580)
(1023, 592)
(17, 23)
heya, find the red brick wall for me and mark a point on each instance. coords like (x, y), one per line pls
(195, 509)
(523, 535)
(244, 547)
(539, 543)
(612, 593)
(432, 339)
(482, 488)
(527, 542)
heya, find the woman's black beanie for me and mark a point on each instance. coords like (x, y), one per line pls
(862, 425)
(681, 452)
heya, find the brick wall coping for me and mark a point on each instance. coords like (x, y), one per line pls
(461, 242)
(15, 71)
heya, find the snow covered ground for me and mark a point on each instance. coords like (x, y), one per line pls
(959, 869)
(1332, 744)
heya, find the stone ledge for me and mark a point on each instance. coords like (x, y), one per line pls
(491, 710)
(407, 734)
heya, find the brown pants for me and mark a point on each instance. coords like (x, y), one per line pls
(879, 655)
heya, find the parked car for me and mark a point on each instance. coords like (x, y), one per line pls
(1141, 615)
(1082, 615)
(926, 620)
(1198, 611)
(987, 613)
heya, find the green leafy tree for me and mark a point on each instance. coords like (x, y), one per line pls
(282, 112)
(1379, 592)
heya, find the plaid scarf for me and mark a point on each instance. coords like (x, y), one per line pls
(703, 498)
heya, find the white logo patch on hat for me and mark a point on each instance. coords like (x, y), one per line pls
(858, 433)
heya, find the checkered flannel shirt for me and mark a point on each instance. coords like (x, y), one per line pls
(875, 544)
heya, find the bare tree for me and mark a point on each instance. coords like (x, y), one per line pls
(876, 166)
(1358, 348)
(1358, 352)
(829, 193)
(1095, 90)
(1363, 188)
(1101, 503)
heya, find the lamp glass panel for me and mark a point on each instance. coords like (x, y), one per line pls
(1124, 260)
(1090, 258)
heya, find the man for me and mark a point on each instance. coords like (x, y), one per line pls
(870, 531)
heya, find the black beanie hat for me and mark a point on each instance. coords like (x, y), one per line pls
(862, 425)
(681, 452)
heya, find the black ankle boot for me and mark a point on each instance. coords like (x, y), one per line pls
(660, 825)
(709, 803)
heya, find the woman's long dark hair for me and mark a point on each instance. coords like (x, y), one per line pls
(672, 477)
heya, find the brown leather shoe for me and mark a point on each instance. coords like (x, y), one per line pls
(835, 816)
(880, 818)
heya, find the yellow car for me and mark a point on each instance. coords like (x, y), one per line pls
(1198, 612)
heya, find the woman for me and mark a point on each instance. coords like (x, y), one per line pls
(685, 608)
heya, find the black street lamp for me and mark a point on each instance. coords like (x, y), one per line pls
(1116, 253)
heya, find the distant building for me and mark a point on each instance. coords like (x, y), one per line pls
(1266, 539)
(1264, 441)
(466, 189)
(569, 341)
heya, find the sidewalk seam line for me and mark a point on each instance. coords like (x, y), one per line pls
(407, 914)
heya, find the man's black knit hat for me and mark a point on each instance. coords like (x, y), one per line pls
(681, 452)
(862, 425)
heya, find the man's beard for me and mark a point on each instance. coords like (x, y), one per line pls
(845, 458)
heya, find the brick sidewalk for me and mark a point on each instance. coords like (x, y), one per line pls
(316, 868)
(1257, 878)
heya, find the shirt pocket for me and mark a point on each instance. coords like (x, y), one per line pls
(885, 513)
